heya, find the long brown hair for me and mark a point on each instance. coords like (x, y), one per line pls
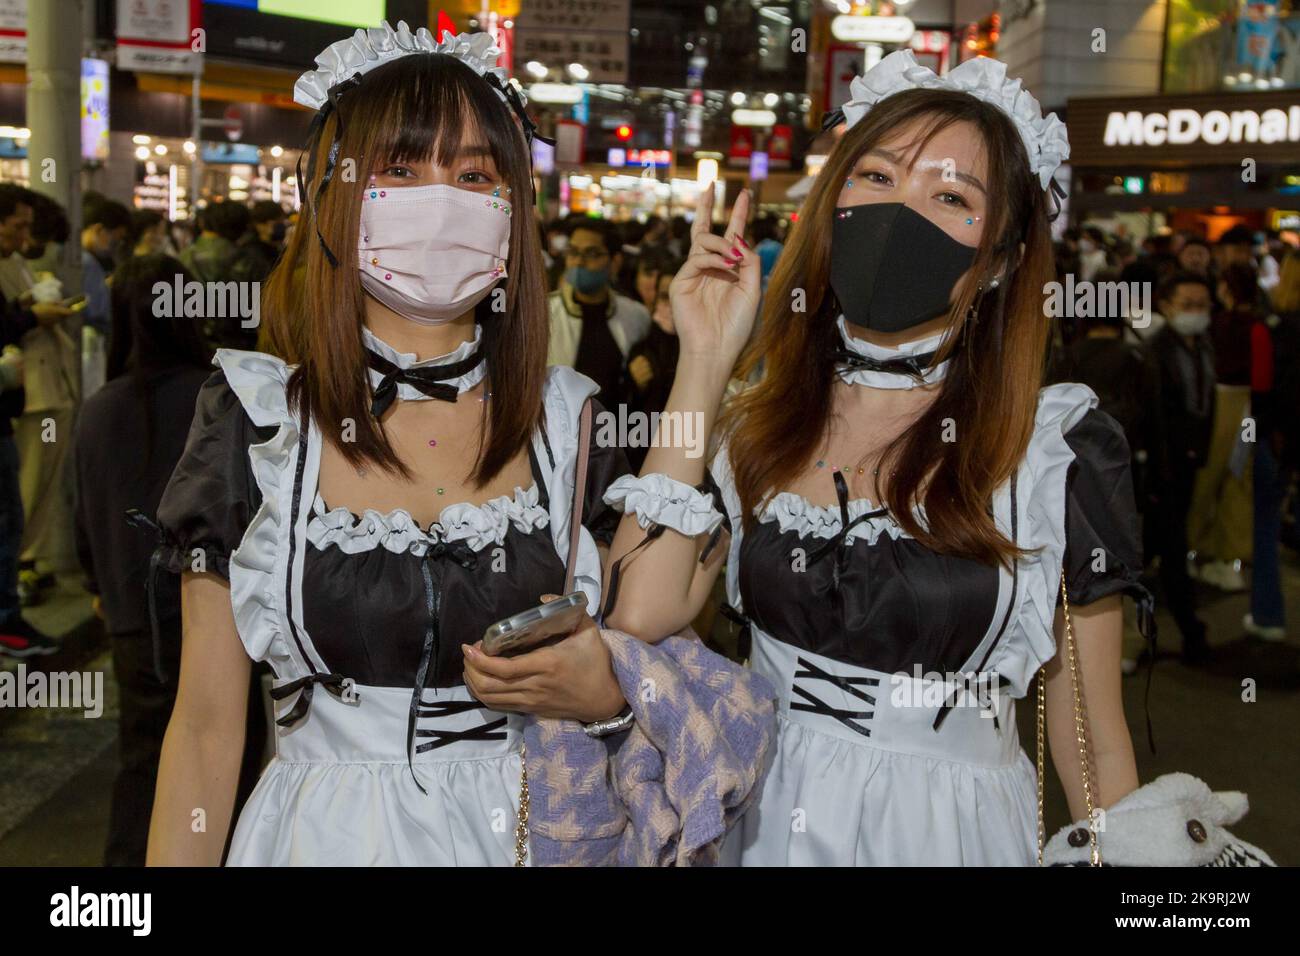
(991, 390)
(418, 107)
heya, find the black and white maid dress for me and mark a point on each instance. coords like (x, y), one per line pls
(887, 755)
(382, 757)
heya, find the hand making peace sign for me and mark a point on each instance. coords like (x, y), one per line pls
(715, 294)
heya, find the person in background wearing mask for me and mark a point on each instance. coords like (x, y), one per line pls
(1180, 441)
(18, 316)
(593, 328)
(1220, 524)
(148, 235)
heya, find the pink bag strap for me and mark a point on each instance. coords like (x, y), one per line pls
(579, 488)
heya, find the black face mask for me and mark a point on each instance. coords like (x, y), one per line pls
(891, 268)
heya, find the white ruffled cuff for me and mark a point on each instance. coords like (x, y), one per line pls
(659, 499)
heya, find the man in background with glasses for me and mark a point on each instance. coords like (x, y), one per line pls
(593, 327)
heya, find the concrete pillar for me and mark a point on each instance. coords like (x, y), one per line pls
(54, 116)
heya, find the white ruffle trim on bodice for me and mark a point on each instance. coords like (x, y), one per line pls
(1041, 500)
(658, 499)
(478, 526)
(795, 513)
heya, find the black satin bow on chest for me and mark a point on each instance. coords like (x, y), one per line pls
(434, 381)
(839, 542)
(913, 366)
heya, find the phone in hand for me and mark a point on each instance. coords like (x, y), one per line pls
(529, 628)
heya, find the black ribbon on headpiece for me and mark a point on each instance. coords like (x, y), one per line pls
(331, 105)
(431, 380)
(1057, 193)
(832, 119)
(514, 101)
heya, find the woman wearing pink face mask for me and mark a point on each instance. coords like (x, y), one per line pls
(359, 509)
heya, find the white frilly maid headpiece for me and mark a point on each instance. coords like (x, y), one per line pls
(342, 64)
(985, 79)
(367, 49)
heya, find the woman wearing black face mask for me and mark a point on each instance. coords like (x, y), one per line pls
(904, 499)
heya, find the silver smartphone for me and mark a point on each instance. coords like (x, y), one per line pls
(529, 628)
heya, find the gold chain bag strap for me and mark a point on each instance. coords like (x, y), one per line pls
(1080, 732)
(570, 570)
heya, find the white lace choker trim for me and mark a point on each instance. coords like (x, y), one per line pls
(884, 353)
(409, 393)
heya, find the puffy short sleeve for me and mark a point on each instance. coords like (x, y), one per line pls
(211, 497)
(1103, 551)
(606, 463)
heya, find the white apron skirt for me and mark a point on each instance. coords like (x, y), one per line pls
(339, 791)
(861, 777)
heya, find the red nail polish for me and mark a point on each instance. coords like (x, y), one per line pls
(741, 240)
(736, 252)
(729, 261)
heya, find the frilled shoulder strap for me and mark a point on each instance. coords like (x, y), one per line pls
(260, 382)
(260, 567)
(565, 393)
(1040, 501)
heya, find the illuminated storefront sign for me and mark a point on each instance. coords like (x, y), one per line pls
(853, 29)
(1180, 127)
(1212, 129)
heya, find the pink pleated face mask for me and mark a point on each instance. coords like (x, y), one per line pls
(431, 253)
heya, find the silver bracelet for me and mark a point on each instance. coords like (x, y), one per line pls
(603, 728)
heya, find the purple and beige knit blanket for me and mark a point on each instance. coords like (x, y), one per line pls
(664, 792)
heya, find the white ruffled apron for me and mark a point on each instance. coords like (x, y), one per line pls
(862, 777)
(340, 790)
(874, 769)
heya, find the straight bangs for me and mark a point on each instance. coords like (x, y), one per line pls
(421, 107)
